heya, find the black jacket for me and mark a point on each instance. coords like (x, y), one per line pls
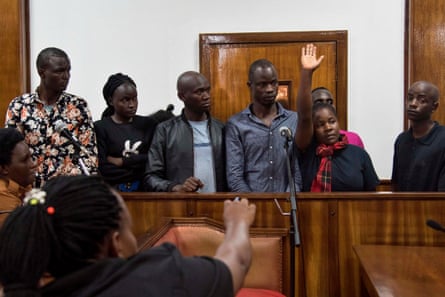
(171, 158)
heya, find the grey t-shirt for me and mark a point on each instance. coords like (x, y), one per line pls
(204, 168)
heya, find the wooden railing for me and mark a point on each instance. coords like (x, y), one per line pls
(330, 224)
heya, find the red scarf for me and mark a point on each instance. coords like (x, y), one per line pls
(323, 179)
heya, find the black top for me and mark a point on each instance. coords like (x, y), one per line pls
(419, 164)
(121, 140)
(352, 169)
(159, 271)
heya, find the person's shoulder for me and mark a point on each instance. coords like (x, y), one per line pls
(404, 136)
(349, 133)
(169, 123)
(356, 152)
(289, 112)
(166, 248)
(438, 134)
(354, 148)
(441, 128)
(74, 99)
(216, 122)
(238, 116)
(24, 99)
(103, 122)
(144, 121)
(353, 138)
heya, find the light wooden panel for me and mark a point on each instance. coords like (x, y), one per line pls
(425, 47)
(225, 60)
(391, 222)
(14, 52)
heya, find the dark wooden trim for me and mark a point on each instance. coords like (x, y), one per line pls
(14, 49)
(25, 49)
(407, 59)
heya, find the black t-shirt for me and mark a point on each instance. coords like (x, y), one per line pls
(419, 164)
(352, 169)
(129, 141)
(159, 271)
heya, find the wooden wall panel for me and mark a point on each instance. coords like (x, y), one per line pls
(225, 60)
(425, 46)
(14, 49)
(314, 226)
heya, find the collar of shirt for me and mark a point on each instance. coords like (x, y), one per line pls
(281, 112)
(427, 139)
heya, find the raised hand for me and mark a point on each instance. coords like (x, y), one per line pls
(309, 59)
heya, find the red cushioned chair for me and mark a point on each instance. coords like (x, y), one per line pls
(202, 236)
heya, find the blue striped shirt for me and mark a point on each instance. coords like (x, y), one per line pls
(256, 158)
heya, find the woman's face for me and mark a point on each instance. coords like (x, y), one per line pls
(125, 102)
(326, 127)
(22, 168)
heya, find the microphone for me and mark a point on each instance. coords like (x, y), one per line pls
(60, 127)
(286, 132)
(435, 225)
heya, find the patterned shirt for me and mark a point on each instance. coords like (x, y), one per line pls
(54, 153)
(256, 157)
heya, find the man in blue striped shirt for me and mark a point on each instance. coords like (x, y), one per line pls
(255, 148)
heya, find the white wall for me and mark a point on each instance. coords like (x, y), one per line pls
(142, 38)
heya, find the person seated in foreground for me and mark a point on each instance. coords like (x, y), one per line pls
(328, 162)
(17, 170)
(323, 95)
(78, 229)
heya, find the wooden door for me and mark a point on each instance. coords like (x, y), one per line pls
(14, 49)
(225, 60)
(425, 47)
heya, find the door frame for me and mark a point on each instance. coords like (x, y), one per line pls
(209, 40)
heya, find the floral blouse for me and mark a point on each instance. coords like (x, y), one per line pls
(53, 152)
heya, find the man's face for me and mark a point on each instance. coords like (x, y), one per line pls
(419, 103)
(196, 95)
(322, 96)
(264, 86)
(56, 74)
(22, 168)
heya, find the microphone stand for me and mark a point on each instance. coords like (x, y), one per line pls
(295, 239)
